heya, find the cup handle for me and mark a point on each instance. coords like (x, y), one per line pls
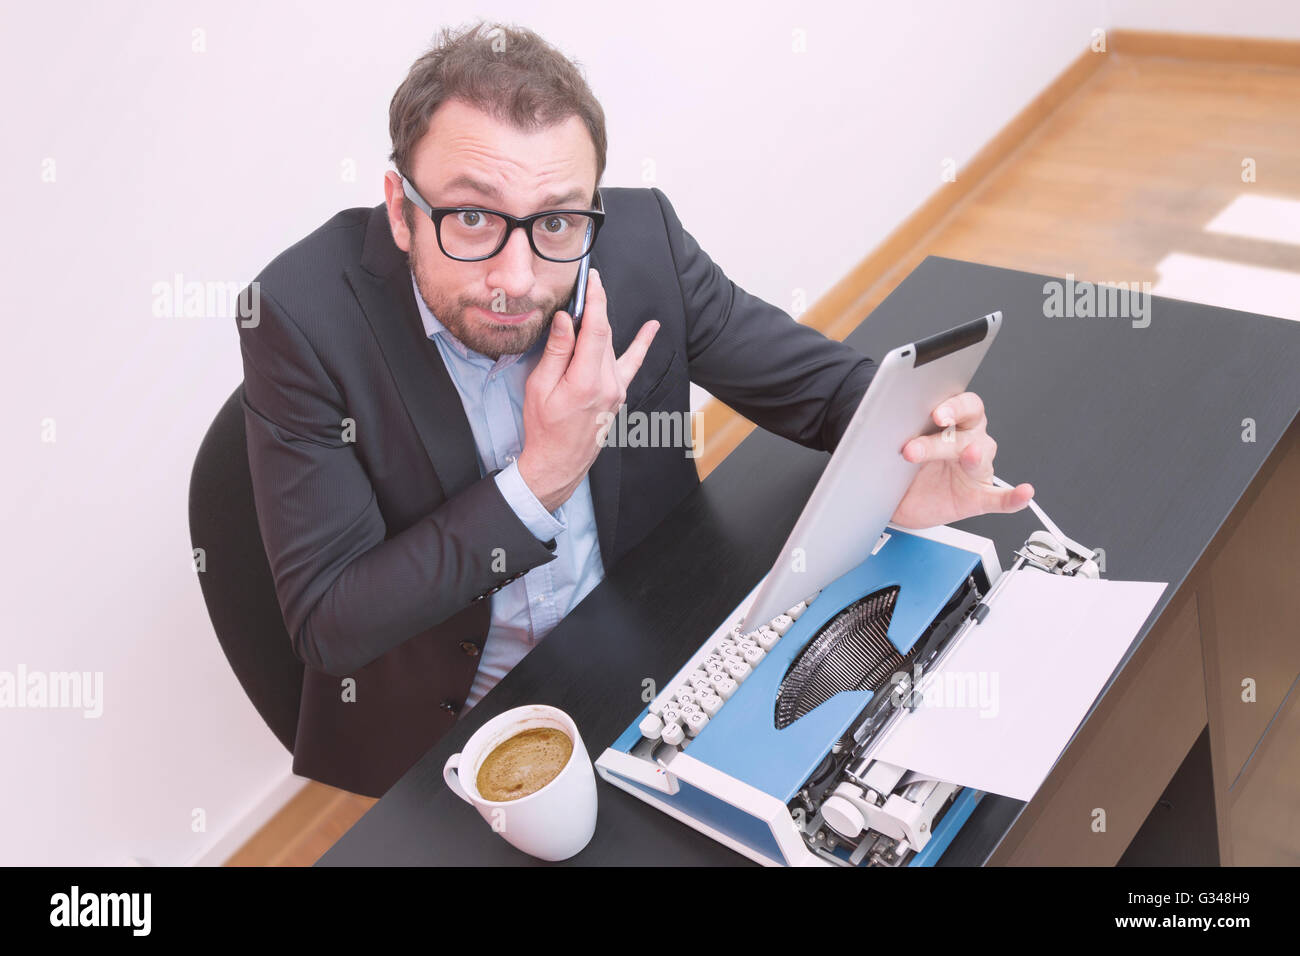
(451, 775)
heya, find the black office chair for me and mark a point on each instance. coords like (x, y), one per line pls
(237, 582)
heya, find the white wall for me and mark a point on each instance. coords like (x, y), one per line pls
(208, 163)
(1276, 19)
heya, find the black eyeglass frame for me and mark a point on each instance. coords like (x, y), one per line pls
(437, 213)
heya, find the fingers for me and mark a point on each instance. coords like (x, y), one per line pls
(592, 365)
(976, 459)
(949, 444)
(1008, 500)
(594, 338)
(592, 377)
(551, 366)
(963, 421)
(962, 410)
(630, 361)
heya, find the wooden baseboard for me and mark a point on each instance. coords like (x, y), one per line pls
(1256, 51)
(844, 306)
(838, 312)
(248, 824)
(306, 826)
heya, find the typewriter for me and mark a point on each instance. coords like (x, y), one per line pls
(764, 739)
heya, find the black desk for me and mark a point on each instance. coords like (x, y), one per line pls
(1132, 440)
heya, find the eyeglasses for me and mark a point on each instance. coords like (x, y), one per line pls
(474, 233)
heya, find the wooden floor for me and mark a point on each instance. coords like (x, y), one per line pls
(1127, 169)
(308, 825)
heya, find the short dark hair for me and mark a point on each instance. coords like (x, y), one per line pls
(508, 72)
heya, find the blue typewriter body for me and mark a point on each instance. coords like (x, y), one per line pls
(780, 769)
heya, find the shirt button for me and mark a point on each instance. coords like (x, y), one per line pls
(450, 706)
(470, 648)
(510, 458)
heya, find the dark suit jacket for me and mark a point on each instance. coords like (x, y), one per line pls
(382, 546)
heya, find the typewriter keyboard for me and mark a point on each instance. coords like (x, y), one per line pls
(711, 677)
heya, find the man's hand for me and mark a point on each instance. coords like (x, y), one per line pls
(956, 480)
(567, 392)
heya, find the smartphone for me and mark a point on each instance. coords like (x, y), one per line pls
(578, 300)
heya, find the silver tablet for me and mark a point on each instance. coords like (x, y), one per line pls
(867, 475)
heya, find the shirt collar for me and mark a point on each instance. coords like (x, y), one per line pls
(432, 326)
(433, 329)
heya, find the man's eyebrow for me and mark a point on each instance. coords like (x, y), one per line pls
(575, 195)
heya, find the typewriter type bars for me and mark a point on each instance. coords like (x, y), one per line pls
(881, 814)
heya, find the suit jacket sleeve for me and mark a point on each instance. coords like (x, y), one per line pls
(780, 374)
(348, 592)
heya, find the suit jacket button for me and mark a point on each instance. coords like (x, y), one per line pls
(450, 706)
(470, 648)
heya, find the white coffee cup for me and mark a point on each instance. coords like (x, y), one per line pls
(552, 823)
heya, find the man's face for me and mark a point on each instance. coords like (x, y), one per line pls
(466, 158)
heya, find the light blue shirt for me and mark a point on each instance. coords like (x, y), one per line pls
(526, 610)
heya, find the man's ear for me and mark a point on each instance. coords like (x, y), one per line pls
(395, 199)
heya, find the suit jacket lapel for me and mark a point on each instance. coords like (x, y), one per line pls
(382, 285)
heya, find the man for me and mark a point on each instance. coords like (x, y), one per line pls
(423, 422)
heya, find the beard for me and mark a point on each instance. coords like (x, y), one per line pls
(477, 332)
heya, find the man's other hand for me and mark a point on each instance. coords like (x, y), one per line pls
(955, 480)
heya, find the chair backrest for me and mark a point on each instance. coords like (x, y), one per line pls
(236, 578)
